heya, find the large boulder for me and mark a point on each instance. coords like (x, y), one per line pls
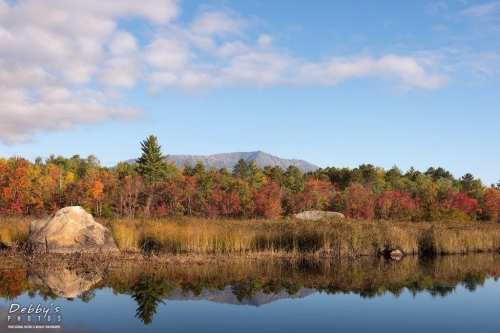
(70, 229)
(315, 215)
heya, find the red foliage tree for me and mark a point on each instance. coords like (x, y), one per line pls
(267, 199)
(128, 195)
(465, 204)
(169, 196)
(189, 194)
(360, 202)
(395, 205)
(317, 194)
(73, 194)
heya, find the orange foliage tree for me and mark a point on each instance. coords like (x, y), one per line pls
(16, 193)
(491, 203)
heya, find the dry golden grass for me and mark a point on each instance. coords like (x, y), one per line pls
(285, 237)
(14, 231)
(326, 238)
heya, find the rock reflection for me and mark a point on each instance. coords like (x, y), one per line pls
(67, 283)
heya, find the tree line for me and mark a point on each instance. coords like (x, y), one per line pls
(153, 187)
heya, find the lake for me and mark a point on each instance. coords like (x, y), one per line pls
(443, 294)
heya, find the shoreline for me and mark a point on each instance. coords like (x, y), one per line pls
(108, 260)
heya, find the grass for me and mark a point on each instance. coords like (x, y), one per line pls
(13, 231)
(284, 237)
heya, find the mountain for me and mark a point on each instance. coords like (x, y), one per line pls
(228, 160)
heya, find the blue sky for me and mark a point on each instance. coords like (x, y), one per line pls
(406, 83)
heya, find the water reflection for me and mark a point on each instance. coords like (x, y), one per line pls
(148, 292)
(253, 283)
(67, 283)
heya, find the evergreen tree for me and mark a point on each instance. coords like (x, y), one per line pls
(255, 175)
(241, 170)
(276, 174)
(152, 165)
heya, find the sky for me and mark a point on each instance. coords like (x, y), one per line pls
(335, 83)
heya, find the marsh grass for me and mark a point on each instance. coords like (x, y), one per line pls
(285, 237)
(13, 231)
(325, 238)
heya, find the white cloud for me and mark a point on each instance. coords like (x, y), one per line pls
(168, 53)
(484, 65)
(404, 71)
(61, 109)
(122, 44)
(482, 11)
(257, 69)
(218, 23)
(14, 75)
(120, 72)
(435, 7)
(229, 49)
(52, 52)
(265, 40)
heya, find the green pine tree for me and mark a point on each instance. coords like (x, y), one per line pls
(152, 165)
(241, 170)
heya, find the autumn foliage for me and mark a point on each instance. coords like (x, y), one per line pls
(367, 192)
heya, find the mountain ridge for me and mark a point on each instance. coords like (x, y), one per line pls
(228, 160)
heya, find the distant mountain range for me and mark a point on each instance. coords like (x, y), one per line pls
(228, 160)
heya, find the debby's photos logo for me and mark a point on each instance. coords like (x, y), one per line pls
(34, 313)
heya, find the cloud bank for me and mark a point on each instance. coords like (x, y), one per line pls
(63, 62)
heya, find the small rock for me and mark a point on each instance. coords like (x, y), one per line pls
(396, 254)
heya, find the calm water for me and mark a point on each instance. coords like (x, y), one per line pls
(451, 294)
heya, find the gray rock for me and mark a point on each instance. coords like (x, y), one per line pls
(70, 229)
(315, 215)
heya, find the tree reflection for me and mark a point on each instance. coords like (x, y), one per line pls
(246, 288)
(87, 295)
(471, 281)
(148, 292)
(442, 290)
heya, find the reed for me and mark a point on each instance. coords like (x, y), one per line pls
(14, 231)
(326, 238)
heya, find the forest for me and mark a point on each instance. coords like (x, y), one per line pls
(155, 188)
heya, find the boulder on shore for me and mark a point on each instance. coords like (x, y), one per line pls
(315, 215)
(70, 229)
